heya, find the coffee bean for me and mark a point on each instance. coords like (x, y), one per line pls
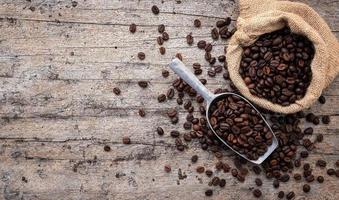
(161, 28)
(208, 47)
(170, 93)
(175, 134)
(155, 10)
(307, 166)
(276, 183)
(116, 91)
(234, 172)
(143, 84)
(133, 28)
(258, 182)
(162, 50)
(281, 194)
(316, 120)
(107, 148)
(142, 112)
(179, 56)
(141, 56)
(222, 183)
(187, 125)
(215, 33)
(256, 169)
(284, 178)
(161, 98)
(201, 44)
(222, 58)
(208, 173)
(290, 195)
(320, 137)
(331, 172)
(174, 120)
(126, 140)
(165, 36)
(167, 168)
(165, 73)
(304, 154)
(286, 77)
(257, 193)
(320, 179)
(322, 99)
(308, 131)
(337, 173)
(160, 41)
(337, 163)
(297, 177)
(321, 163)
(197, 23)
(189, 39)
(200, 169)
(306, 188)
(215, 181)
(326, 119)
(179, 101)
(211, 72)
(297, 163)
(160, 131)
(209, 192)
(194, 159)
(221, 23)
(310, 178)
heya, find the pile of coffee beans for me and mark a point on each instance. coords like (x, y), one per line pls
(241, 126)
(277, 66)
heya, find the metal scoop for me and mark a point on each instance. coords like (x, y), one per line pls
(179, 68)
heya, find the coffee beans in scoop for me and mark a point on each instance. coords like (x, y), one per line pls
(234, 120)
(277, 66)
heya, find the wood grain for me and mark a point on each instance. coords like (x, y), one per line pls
(58, 66)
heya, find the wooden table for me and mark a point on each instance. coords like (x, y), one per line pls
(59, 62)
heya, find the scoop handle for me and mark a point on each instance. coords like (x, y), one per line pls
(179, 68)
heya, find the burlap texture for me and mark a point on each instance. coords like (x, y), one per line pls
(263, 16)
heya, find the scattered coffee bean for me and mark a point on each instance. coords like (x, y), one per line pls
(337, 173)
(116, 91)
(222, 183)
(320, 179)
(256, 169)
(179, 101)
(304, 154)
(201, 44)
(189, 39)
(276, 183)
(160, 41)
(281, 194)
(297, 177)
(143, 84)
(337, 163)
(175, 134)
(141, 56)
(221, 58)
(208, 173)
(290, 195)
(215, 33)
(316, 120)
(321, 163)
(197, 23)
(155, 10)
(322, 99)
(306, 188)
(162, 50)
(165, 73)
(308, 131)
(161, 98)
(167, 168)
(200, 169)
(160, 131)
(126, 140)
(165, 36)
(331, 172)
(179, 56)
(170, 93)
(107, 148)
(142, 112)
(209, 192)
(215, 181)
(281, 79)
(161, 28)
(258, 182)
(133, 28)
(326, 119)
(208, 47)
(194, 159)
(257, 193)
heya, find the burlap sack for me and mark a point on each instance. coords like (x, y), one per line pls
(263, 16)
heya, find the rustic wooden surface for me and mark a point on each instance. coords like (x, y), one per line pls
(58, 111)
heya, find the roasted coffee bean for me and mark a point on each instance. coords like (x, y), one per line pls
(297, 163)
(320, 179)
(321, 163)
(215, 181)
(160, 131)
(175, 134)
(155, 10)
(160, 41)
(126, 140)
(337, 173)
(141, 55)
(218, 68)
(331, 172)
(133, 28)
(167, 168)
(308, 131)
(234, 172)
(142, 112)
(304, 154)
(221, 58)
(215, 33)
(306, 188)
(208, 173)
(322, 99)
(161, 98)
(278, 75)
(276, 183)
(221, 23)
(179, 101)
(211, 72)
(258, 182)
(189, 39)
(310, 178)
(170, 93)
(165, 36)
(326, 119)
(162, 50)
(161, 28)
(143, 84)
(200, 169)
(222, 183)
(281, 194)
(307, 166)
(194, 159)
(107, 148)
(297, 177)
(316, 120)
(116, 91)
(187, 125)
(290, 195)
(256, 169)
(320, 137)
(209, 192)
(208, 47)
(284, 178)
(257, 193)
(174, 120)
(179, 56)
(165, 73)
(197, 23)
(201, 44)
(337, 163)
(310, 117)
